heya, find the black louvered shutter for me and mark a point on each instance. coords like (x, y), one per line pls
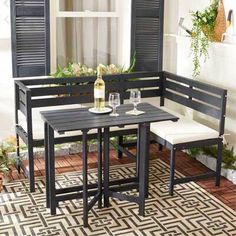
(30, 37)
(147, 34)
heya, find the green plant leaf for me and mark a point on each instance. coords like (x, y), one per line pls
(228, 156)
(202, 34)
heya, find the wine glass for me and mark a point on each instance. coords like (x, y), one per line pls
(114, 102)
(135, 98)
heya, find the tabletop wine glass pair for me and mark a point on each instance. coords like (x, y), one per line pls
(135, 99)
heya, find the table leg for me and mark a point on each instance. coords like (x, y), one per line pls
(46, 163)
(51, 171)
(85, 179)
(100, 167)
(120, 143)
(147, 148)
(106, 167)
(143, 169)
(138, 154)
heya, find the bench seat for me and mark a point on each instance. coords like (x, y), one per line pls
(183, 131)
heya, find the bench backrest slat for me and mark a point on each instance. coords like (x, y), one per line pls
(65, 91)
(194, 93)
(85, 79)
(205, 109)
(197, 84)
(59, 101)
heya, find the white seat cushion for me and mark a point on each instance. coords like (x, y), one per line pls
(182, 131)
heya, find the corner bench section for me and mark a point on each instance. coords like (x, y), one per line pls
(204, 98)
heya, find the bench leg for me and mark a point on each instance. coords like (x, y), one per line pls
(218, 163)
(120, 143)
(30, 145)
(85, 180)
(160, 147)
(18, 164)
(172, 171)
(17, 145)
(31, 166)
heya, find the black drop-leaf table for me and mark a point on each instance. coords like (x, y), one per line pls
(80, 119)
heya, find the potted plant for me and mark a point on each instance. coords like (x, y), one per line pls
(6, 163)
(208, 26)
(74, 69)
(5, 167)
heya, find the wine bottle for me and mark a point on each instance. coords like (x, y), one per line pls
(99, 91)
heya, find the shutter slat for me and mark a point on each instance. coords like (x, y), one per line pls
(147, 4)
(29, 37)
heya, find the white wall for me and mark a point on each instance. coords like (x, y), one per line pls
(219, 69)
(170, 28)
(6, 80)
(124, 10)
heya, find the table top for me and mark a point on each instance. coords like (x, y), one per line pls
(81, 119)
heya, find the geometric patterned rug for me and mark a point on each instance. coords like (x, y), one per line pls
(191, 211)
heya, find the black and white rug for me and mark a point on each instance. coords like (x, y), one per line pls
(191, 211)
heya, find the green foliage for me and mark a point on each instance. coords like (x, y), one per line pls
(194, 152)
(5, 162)
(6, 146)
(78, 69)
(73, 70)
(132, 64)
(129, 138)
(202, 34)
(228, 157)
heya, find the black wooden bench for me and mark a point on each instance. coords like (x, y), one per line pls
(50, 92)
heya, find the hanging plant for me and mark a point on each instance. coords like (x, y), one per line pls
(202, 34)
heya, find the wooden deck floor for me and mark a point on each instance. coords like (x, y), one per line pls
(185, 164)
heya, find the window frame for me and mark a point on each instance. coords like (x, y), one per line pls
(56, 13)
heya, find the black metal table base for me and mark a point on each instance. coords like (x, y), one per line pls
(105, 188)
